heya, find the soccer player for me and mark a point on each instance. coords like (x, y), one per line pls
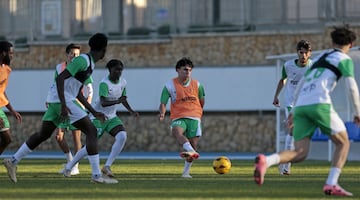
(6, 55)
(71, 51)
(64, 107)
(313, 109)
(187, 98)
(292, 71)
(112, 91)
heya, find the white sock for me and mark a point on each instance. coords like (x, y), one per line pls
(187, 146)
(23, 151)
(116, 148)
(272, 159)
(289, 145)
(187, 166)
(333, 176)
(94, 161)
(78, 156)
(68, 156)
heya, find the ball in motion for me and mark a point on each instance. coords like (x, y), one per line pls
(222, 165)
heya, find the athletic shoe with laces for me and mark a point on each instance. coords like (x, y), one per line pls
(11, 169)
(336, 190)
(107, 171)
(193, 154)
(260, 169)
(103, 179)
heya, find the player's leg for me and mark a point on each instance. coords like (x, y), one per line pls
(77, 140)
(76, 159)
(178, 130)
(86, 126)
(263, 162)
(63, 144)
(47, 128)
(5, 140)
(289, 145)
(77, 146)
(117, 130)
(302, 131)
(193, 134)
(80, 154)
(81, 121)
(189, 160)
(342, 146)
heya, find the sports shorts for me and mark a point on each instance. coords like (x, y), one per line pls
(192, 127)
(309, 117)
(107, 125)
(54, 111)
(5, 120)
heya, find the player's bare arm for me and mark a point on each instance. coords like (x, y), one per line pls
(162, 111)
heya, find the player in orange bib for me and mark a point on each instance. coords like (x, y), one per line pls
(187, 101)
(6, 53)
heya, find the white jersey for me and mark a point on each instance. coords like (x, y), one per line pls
(320, 82)
(293, 73)
(80, 68)
(111, 91)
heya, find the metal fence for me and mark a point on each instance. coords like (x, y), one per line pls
(29, 20)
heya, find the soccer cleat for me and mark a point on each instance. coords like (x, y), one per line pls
(260, 169)
(284, 169)
(67, 173)
(107, 171)
(104, 180)
(336, 190)
(74, 171)
(186, 176)
(11, 169)
(193, 154)
(285, 172)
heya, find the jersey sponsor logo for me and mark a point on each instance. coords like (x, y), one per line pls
(294, 82)
(189, 98)
(309, 88)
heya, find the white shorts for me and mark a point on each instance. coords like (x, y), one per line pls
(77, 112)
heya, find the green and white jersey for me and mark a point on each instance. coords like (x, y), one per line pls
(111, 91)
(292, 73)
(320, 82)
(81, 69)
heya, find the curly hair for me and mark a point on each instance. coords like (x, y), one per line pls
(183, 62)
(343, 35)
(303, 44)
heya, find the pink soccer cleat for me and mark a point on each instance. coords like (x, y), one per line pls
(193, 154)
(336, 190)
(260, 169)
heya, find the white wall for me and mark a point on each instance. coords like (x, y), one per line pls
(226, 88)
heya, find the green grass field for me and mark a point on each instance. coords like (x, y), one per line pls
(160, 179)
